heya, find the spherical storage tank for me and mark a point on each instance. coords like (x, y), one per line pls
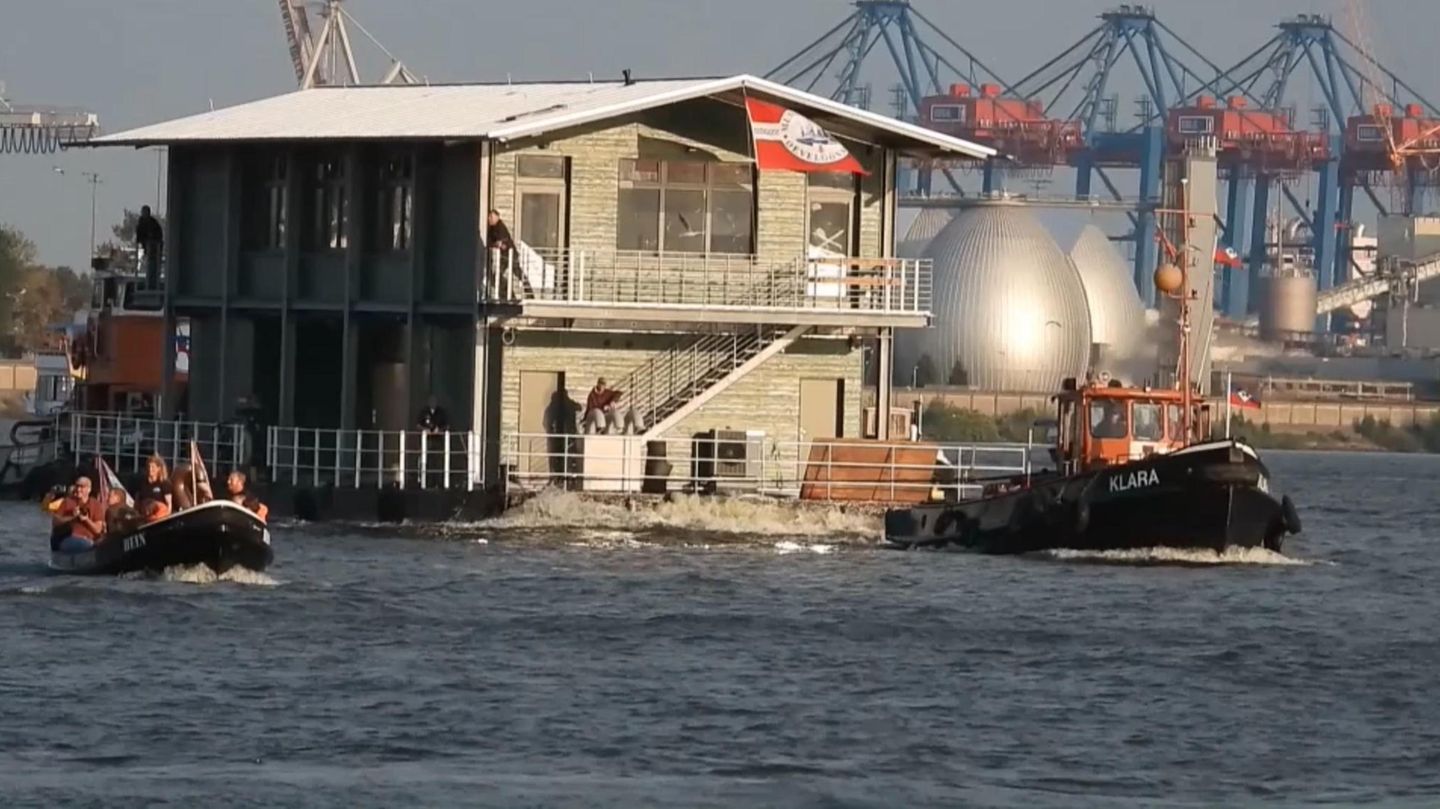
(1010, 310)
(927, 225)
(1117, 316)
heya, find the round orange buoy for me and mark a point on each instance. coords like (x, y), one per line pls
(1168, 279)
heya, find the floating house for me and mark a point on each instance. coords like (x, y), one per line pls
(331, 252)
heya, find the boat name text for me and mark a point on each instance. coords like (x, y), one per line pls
(1139, 479)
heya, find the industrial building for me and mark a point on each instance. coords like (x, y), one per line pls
(329, 250)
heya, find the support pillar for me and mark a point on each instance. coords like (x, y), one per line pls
(168, 405)
(1259, 239)
(1323, 242)
(991, 173)
(1151, 155)
(1344, 245)
(1235, 288)
(884, 383)
(1083, 164)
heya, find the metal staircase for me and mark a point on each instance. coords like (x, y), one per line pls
(681, 379)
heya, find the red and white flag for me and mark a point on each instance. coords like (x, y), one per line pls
(1228, 256)
(787, 140)
(108, 481)
(1242, 399)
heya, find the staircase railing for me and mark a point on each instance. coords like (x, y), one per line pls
(686, 369)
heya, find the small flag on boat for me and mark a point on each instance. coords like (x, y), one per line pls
(1228, 256)
(1240, 397)
(787, 140)
(109, 481)
(198, 476)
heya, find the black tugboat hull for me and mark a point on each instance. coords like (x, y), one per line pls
(1210, 496)
(220, 534)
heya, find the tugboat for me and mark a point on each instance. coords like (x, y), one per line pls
(1135, 468)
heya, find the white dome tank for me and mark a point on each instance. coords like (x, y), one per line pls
(1117, 316)
(927, 226)
(1010, 310)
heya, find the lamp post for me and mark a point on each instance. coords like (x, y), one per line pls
(94, 180)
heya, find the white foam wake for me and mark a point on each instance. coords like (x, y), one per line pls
(202, 574)
(1177, 556)
(731, 515)
(787, 547)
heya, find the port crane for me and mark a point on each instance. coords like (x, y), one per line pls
(42, 129)
(327, 58)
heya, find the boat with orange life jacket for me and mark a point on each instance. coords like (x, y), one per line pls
(219, 534)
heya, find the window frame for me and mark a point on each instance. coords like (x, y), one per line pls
(708, 188)
(390, 189)
(327, 192)
(819, 194)
(542, 184)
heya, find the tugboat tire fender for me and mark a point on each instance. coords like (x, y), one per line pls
(1230, 475)
(1290, 514)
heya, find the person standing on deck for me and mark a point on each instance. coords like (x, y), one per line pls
(501, 247)
(151, 239)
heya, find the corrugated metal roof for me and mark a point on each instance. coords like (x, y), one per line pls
(488, 111)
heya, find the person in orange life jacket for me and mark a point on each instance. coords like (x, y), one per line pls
(78, 521)
(236, 493)
(155, 498)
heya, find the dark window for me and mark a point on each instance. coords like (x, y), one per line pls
(394, 220)
(266, 207)
(1148, 421)
(686, 207)
(543, 167)
(1107, 420)
(330, 205)
(947, 112)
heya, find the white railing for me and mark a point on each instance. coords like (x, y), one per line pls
(360, 459)
(126, 442)
(629, 277)
(750, 462)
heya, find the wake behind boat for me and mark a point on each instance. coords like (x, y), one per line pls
(219, 534)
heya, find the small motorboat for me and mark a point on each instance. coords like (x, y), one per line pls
(219, 534)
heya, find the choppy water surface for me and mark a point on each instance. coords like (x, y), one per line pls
(735, 656)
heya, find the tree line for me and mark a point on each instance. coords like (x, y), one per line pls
(36, 299)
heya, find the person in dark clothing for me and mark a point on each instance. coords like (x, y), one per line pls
(501, 246)
(433, 419)
(150, 237)
(154, 498)
(120, 517)
(237, 492)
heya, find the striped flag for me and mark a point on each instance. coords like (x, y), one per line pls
(198, 476)
(1239, 397)
(787, 140)
(1228, 256)
(108, 481)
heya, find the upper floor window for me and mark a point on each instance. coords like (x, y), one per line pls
(267, 200)
(542, 197)
(329, 205)
(394, 221)
(831, 196)
(686, 207)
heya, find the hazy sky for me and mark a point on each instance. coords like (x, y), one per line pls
(140, 61)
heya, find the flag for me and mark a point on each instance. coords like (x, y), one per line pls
(786, 140)
(108, 481)
(198, 476)
(1241, 398)
(1227, 255)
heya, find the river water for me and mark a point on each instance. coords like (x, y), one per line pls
(730, 655)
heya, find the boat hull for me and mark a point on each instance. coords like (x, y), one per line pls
(1213, 496)
(221, 535)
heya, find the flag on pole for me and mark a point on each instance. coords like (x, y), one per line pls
(1241, 398)
(1228, 256)
(198, 476)
(108, 481)
(788, 141)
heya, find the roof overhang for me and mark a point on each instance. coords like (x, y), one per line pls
(418, 113)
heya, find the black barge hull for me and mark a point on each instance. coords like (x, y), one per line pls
(221, 535)
(1209, 496)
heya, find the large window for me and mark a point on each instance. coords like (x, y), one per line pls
(396, 193)
(686, 207)
(541, 197)
(832, 212)
(329, 205)
(266, 202)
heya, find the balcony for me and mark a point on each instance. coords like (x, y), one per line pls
(720, 288)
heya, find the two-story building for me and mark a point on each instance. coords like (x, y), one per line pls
(328, 248)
